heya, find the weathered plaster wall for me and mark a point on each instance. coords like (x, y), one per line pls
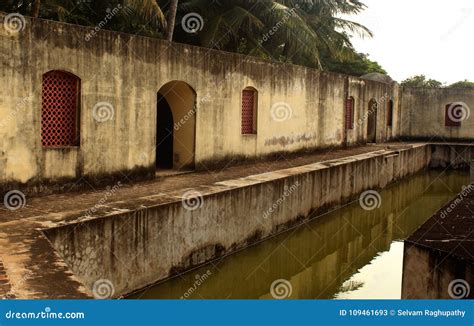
(427, 274)
(127, 71)
(423, 114)
(458, 156)
(345, 239)
(163, 238)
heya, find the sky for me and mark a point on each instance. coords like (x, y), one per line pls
(412, 37)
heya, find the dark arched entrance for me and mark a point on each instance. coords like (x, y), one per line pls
(164, 134)
(176, 126)
(372, 122)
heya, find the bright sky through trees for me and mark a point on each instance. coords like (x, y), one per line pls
(413, 37)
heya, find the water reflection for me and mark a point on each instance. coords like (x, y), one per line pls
(348, 253)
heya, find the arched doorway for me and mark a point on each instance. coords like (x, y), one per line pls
(372, 122)
(164, 134)
(175, 126)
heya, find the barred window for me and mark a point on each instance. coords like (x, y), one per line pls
(249, 111)
(349, 114)
(60, 109)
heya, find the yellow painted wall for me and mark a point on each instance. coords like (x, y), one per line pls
(423, 114)
(298, 108)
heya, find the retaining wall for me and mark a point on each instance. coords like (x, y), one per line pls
(164, 237)
(430, 274)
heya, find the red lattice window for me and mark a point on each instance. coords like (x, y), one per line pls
(60, 109)
(450, 119)
(349, 116)
(249, 110)
(390, 113)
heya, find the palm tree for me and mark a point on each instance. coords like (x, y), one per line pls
(308, 32)
(171, 18)
(279, 29)
(143, 17)
(36, 8)
(323, 16)
(149, 10)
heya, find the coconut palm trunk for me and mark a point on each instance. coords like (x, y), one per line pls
(171, 19)
(36, 8)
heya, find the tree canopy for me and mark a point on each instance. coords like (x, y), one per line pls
(305, 32)
(421, 81)
(359, 65)
(463, 84)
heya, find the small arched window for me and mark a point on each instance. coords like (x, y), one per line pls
(60, 109)
(349, 114)
(390, 113)
(249, 111)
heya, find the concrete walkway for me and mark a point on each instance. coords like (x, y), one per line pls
(84, 200)
(451, 229)
(439, 257)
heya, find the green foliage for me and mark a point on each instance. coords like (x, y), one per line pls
(305, 32)
(463, 84)
(143, 17)
(359, 65)
(294, 31)
(421, 81)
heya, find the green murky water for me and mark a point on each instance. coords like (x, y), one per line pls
(349, 253)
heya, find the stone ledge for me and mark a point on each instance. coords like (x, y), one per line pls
(5, 286)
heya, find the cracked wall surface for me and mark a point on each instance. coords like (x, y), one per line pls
(127, 71)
